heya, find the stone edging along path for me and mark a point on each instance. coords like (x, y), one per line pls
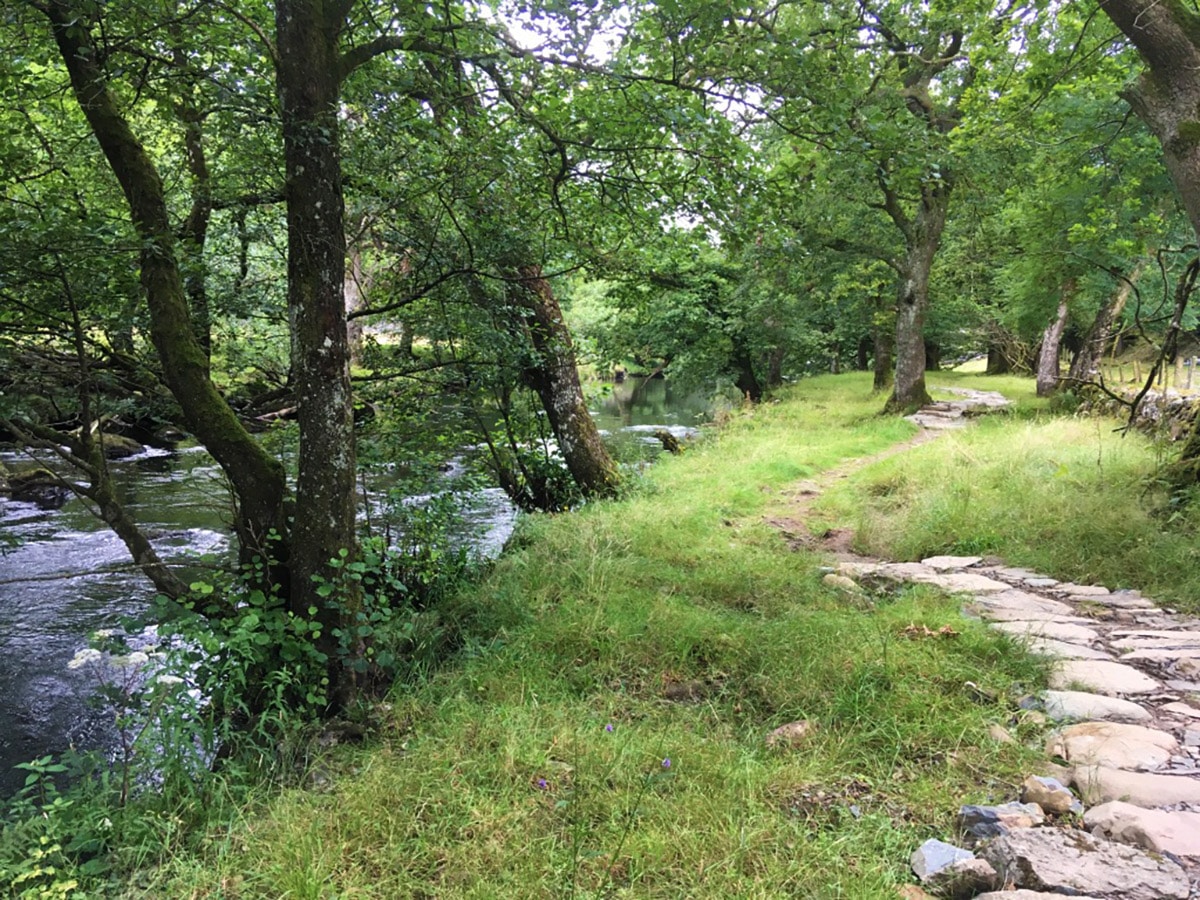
(1125, 693)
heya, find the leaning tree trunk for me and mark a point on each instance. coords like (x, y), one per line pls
(1048, 376)
(1167, 98)
(1086, 365)
(257, 478)
(309, 88)
(556, 380)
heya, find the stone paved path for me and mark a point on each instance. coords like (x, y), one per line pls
(1123, 702)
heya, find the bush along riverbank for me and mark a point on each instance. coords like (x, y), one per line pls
(664, 696)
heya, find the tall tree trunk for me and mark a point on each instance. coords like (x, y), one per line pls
(775, 366)
(923, 237)
(1048, 359)
(933, 356)
(556, 380)
(258, 479)
(308, 81)
(862, 354)
(884, 329)
(999, 350)
(743, 367)
(1086, 365)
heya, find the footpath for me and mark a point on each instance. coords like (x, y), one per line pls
(1115, 810)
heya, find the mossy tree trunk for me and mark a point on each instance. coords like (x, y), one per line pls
(923, 236)
(555, 378)
(1166, 96)
(309, 87)
(257, 478)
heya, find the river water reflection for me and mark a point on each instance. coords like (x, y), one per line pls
(64, 575)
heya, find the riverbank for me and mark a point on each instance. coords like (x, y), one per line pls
(604, 731)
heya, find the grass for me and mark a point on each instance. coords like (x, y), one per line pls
(1069, 497)
(675, 625)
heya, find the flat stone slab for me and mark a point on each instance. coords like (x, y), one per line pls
(1185, 639)
(1034, 606)
(1012, 572)
(1040, 582)
(1066, 861)
(1101, 677)
(969, 583)
(907, 572)
(1158, 830)
(1059, 631)
(1126, 600)
(1024, 894)
(1181, 709)
(1113, 744)
(1150, 633)
(1164, 655)
(1083, 590)
(1061, 705)
(1000, 614)
(1100, 784)
(1064, 650)
(952, 562)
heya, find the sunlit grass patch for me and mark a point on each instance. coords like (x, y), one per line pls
(1067, 497)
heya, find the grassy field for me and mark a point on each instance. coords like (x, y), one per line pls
(602, 734)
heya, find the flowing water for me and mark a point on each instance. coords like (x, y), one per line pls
(64, 575)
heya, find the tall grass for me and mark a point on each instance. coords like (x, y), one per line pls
(1066, 496)
(671, 626)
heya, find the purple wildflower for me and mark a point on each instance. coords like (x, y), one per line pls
(608, 727)
(667, 763)
(542, 784)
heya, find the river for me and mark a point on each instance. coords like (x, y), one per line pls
(64, 575)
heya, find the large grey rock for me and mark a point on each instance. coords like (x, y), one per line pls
(1062, 705)
(1073, 862)
(1099, 784)
(1113, 744)
(1158, 830)
(1102, 677)
(1024, 895)
(1058, 631)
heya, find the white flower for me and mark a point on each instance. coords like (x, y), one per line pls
(169, 680)
(132, 661)
(83, 658)
(103, 634)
